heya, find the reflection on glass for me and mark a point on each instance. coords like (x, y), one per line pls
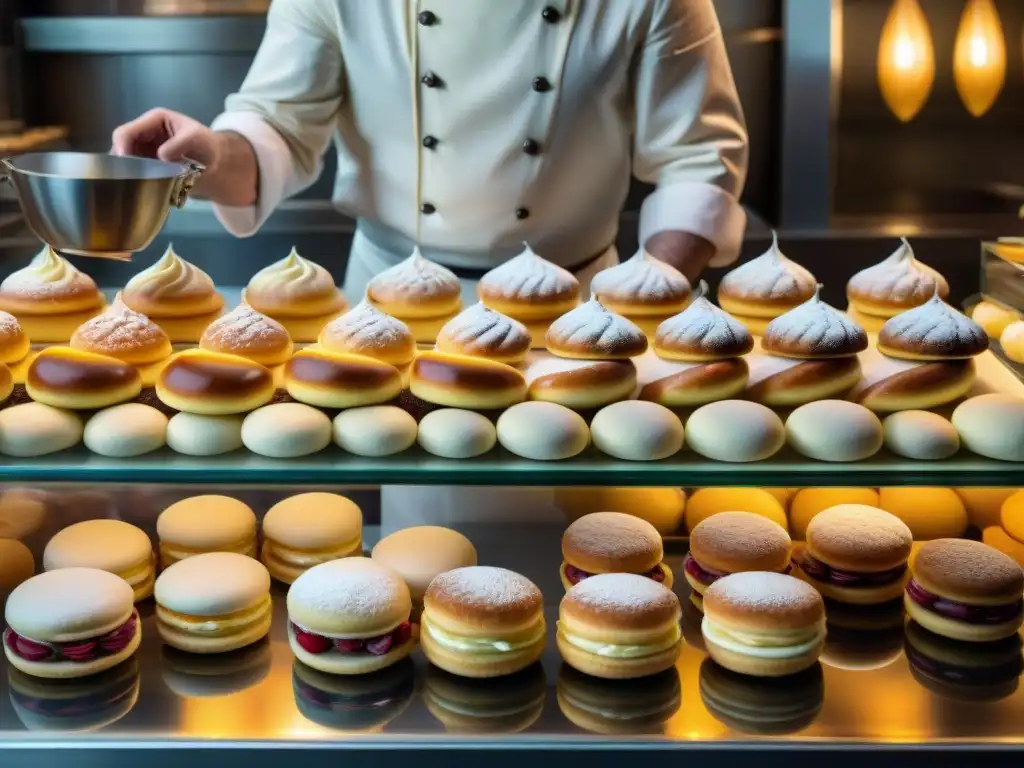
(500, 705)
(979, 57)
(618, 707)
(353, 703)
(906, 60)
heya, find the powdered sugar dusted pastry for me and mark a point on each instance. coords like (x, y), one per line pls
(529, 287)
(125, 334)
(14, 342)
(248, 333)
(898, 283)
(365, 330)
(702, 332)
(593, 332)
(932, 331)
(766, 286)
(416, 287)
(814, 330)
(482, 332)
(642, 285)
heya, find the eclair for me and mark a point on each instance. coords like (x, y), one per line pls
(63, 377)
(339, 380)
(612, 542)
(460, 381)
(214, 384)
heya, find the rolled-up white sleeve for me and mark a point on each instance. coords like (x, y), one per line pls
(287, 106)
(690, 137)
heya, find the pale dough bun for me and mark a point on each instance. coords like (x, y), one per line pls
(459, 381)
(109, 545)
(1012, 341)
(985, 504)
(677, 384)
(710, 501)
(34, 429)
(529, 287)
(542, 431)
(286, 430)
(196, 435)
(898, 283)
(593, 332)
(17, 565)
(206, 523)
(635, 430)
(126, 430)
(580, 384)
(814, 330)
(921, 435)
(994, 318)
(786, 383)
(416, 288)
(365, 330)
(421, 553)
(932, 331)
(14, 342)
(661, 507)
(214, 384)
(767, 286)
(173, 288)
(456, 434)
(642, 286)
(735, 431)
(124, 334)
(331, 380)
(482, 332)
(992, 426)
(702, 332)
(931, 513)
(70, 378)
(834, 430)
(294, 287)
(809, 502)
(376, 430)
(250, 334)
(901, 385)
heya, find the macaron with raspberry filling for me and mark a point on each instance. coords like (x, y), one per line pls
(734, 542)
(965, 590)
(71, 623)
(349, 617)
(612, 542)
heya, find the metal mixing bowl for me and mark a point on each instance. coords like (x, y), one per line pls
(94, 204)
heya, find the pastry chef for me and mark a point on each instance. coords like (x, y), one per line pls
(473, 127)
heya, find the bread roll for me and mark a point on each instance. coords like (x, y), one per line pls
(992, 426)
(250, 334)
(784, 382)
(635, 430)
(456, 434)
(35, 429)
(196, 435)
(932, 331)
(834, 430)
(122, 431)
(920, 435)
(891, 385)
(482, 332)
(70, 378)
(377, 430)
(365, 330)
(542, 431)
(472, 383)
(529, 288)
(579, 384)
(735, 431)
(685, 384)
(642, 286)
(767, 286)
(213, 384)
(416, 288)
(897, 284)
(592, 332)
(286, 431)
(330, 380)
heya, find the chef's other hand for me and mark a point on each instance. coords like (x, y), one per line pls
(688, 253)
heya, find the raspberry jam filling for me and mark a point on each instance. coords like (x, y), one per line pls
(80, 650)
(575, 575)
(819, 571)
(970, 614)
(375, 646)
(705, 576)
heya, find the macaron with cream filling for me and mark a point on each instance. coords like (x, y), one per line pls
(612, 542)
(308, 529)
(107, 545)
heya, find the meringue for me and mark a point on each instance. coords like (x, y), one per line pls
(702, 332)
(482, 332)
(932, 331)
(898, 283)
(593, 332)
(365, 330)
(766, 286)
(529, 287)
(294, 287)
(814, 330)
(642, 285)
(49, 285)
(416, 287)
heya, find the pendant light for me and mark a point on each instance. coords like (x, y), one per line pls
(906, 60)
(979, 57)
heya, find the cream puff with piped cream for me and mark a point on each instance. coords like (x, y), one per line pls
(898, 283)
(50, 297)
(420, 293)
(612, 542)
(176, 295)
(298, 293)
(308, 529)
(643, 289)
(126, 335)
(250, 334)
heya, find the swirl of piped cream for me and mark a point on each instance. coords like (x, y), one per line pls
(594, 332)
(365, 330)
(898, 283)
(642, 285)
(702, 332)
(814, 330)
(528, 286)
(123, 333)
(172, 287)
(932, 331)
(763, 286)
(416, 287)
(294, 287)
(48, 285)
(482, 332)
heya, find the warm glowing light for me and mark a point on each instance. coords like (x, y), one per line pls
(906, 60)
(979, 57)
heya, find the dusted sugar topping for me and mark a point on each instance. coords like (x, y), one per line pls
(482, 331)
(598, 331)
(642, 279)
(704, 329)
(900, 278)
(613, 535)
(814, 329)
(49, 277)
(243, 330)
(934, 329)
(365, 330)
(766, 591)
(415, 280)
(623, 593)
(740, 535)
(287, 283)
(119, 330)
(529, 277)
(172, 279)
(356, 587)
(485, 587)
(968, 566)
(770, 276)
(860, 532)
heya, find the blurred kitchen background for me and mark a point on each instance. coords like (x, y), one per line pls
(868, 119)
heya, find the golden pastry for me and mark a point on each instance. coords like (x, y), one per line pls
(128, 336)
(897, 284)
(643, 289)
(420, 293)
(250, 334)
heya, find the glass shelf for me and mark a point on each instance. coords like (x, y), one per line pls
(500, 468)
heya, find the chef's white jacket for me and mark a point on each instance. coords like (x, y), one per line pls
(471, 126)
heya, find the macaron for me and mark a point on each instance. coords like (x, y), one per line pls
(207, 523)
(211, 675)
(109, 545)
(485, 706)
(354, 703)
(965, 590)
(856, 554)
(612, 542)
(733, 542)
(482, 621)
(309, 529)
(619, 626)
(213, 603)
(421, 553)
(349, 617)
(71, 623)
(618, 707)
(763, 624)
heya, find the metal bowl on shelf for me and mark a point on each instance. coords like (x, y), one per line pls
(94, 204)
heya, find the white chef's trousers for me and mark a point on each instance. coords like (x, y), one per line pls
(375, 249)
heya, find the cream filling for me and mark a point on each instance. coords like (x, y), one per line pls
(247, 548)
(480, 645)
(215, 624)
(787, 644)
(613, 651)
(305, 558)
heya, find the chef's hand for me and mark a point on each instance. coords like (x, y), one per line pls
(231, 171)
(688, 253)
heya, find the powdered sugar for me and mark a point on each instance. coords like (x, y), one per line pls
(934, 328)
(364, 327)
(529, 277)
(613, 535)
(704, 328)
(118, 329)
(355, 586)
(415, 278)
(861, 532)
(9, 325)
(623, 593)
(769, 276)
(243, 329)
(969, 567)
(641, 278)
(48, 276)
(487, 587)
(597, 330)
(764, 591)
(814, 328)
(482, 331)
(900, 278)
(742, 535)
